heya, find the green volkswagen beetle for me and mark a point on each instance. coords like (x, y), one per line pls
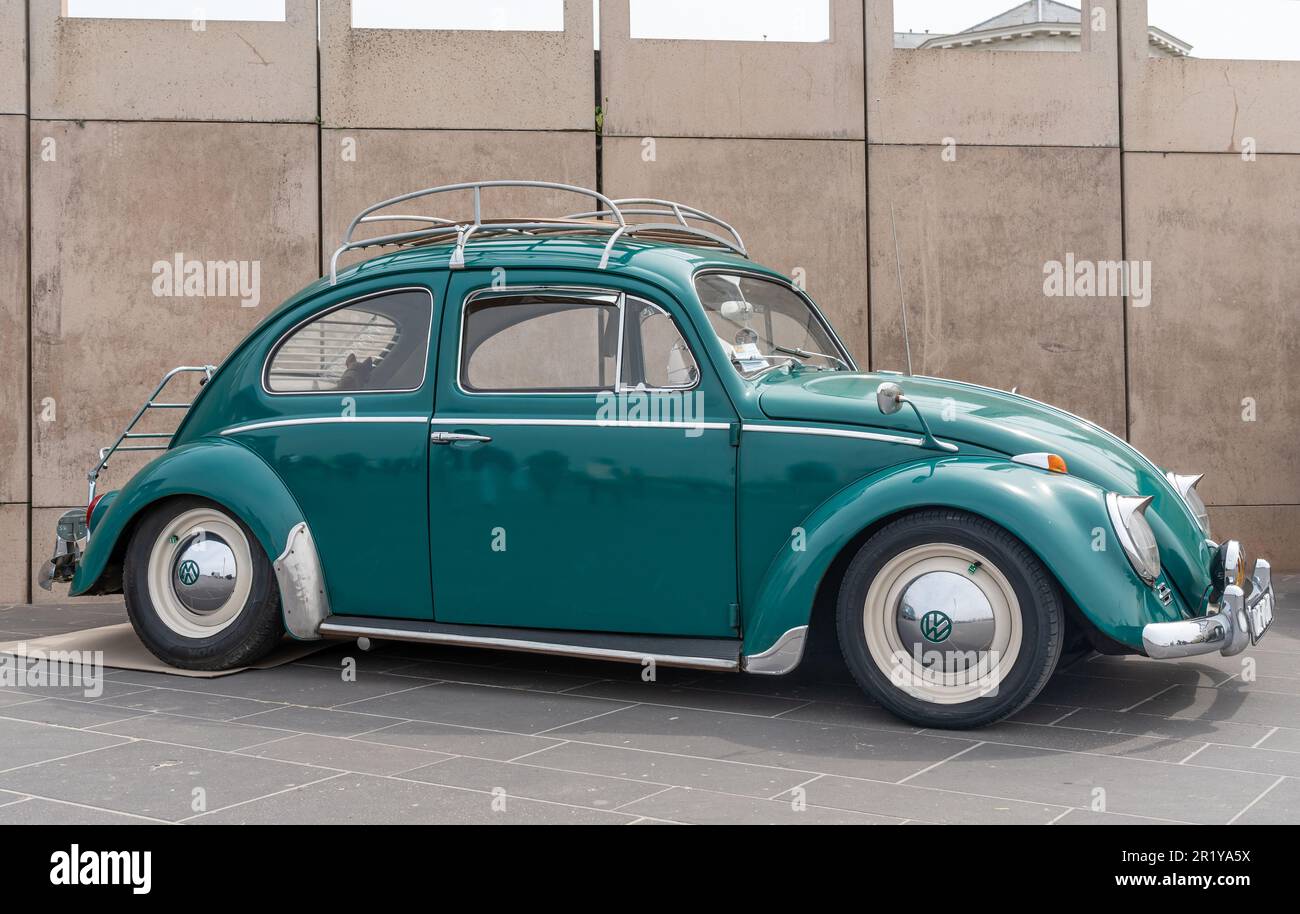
(611, 435)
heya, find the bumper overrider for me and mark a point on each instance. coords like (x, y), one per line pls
(1237, 621)
(70, 538)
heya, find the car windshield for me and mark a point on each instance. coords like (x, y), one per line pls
(763, 324)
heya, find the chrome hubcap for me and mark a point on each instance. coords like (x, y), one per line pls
(943, 612)
(204, 572)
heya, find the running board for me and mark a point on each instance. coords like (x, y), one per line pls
(664, 650)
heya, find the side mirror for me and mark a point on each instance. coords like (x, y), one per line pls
(889, 397)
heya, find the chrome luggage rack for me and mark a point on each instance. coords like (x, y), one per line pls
(163, 439)
(665, 220)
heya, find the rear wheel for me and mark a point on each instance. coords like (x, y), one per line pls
(948, 620)
(200, 591)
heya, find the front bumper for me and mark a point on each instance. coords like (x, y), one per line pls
(1239, 622)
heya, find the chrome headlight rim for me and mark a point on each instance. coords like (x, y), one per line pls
(1185, 486)
(1126, 511)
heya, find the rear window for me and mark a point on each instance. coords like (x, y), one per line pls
(379, 343)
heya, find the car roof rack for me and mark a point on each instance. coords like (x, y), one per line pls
(643, 216)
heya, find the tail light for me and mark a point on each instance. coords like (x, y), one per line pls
(90, 508)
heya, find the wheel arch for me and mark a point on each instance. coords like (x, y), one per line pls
(1056, 517)
(241, 483)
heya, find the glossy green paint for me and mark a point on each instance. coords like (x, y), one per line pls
(598, 527)
(1055, 515)
(221, 470)
(647, 530)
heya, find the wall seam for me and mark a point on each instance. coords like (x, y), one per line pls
(1123, 219)
(29, 381)
(866, 181)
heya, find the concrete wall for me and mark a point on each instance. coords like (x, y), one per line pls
(235, 142)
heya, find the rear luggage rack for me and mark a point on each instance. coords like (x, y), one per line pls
(162, 439)
(665, 220)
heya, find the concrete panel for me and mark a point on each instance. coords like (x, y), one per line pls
(1212, 360)
(1267, 531)
(1005, 98)
(44, 521)
(1191, 105)
(120, 201)
(146, 68)
(656, 87)
(481, 80)
(13, 553)
(800, 205)
(361, 167)
(13, 58)
(975, 236)
(13, 308)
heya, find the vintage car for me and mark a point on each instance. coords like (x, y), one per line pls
(611, 435)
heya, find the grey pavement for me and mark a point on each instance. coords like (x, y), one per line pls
(445, 735)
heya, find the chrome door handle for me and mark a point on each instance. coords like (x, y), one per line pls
(453, 437)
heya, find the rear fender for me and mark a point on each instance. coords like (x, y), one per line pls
(225, 472)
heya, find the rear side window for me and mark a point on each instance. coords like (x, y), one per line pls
(379, 343)
(550, 343)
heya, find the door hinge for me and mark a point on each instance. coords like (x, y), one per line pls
(734, 433)
(734, 616)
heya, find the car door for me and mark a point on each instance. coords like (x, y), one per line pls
(581, 469)
(346, 393)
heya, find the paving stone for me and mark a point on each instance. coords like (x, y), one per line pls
(366, 799)
(37, 811)
(1235, 702)
(190, 731)
(503, 676)
(483, 706)
(294, 684)
(346, 754)
(153, 779)
(1139, 724)
(1265, 761)
(660, 693)
(535, 783)
(1132, 786)
(1091, 741)
(665, 768)
(1281, 806)
(777, 742)
(1094, 692)
(64, 713)
(324, 721)
(455, 740)
(187, 704)
(941, 807)
(23, 742)
(704, 807)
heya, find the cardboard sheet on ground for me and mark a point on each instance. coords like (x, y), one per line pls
(124, 651)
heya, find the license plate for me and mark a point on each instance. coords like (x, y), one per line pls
(1260, 616)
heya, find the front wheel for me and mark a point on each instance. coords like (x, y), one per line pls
(948, 620)
(200, 591)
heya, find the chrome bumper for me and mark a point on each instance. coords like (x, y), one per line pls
(1228, 631)
(70, 538)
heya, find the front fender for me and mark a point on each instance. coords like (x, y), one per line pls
(1061, 518)
(226, 472)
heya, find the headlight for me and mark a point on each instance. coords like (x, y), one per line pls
(1128, 517)
(1186, 487)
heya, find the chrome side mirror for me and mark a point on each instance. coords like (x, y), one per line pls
(889, 397)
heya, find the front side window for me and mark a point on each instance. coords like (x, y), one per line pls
(655, 356)
(380, 343)
(540, 343)
(763, 324)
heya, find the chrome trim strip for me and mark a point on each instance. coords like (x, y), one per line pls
(303, 599)
(530, 647)
(781, 658)
(579, 423)
(319, 420)
(834, 433)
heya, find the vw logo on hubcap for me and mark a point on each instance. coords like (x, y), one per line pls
(936, 626)
(188, 572)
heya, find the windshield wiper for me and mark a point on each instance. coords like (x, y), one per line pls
(805, 354)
